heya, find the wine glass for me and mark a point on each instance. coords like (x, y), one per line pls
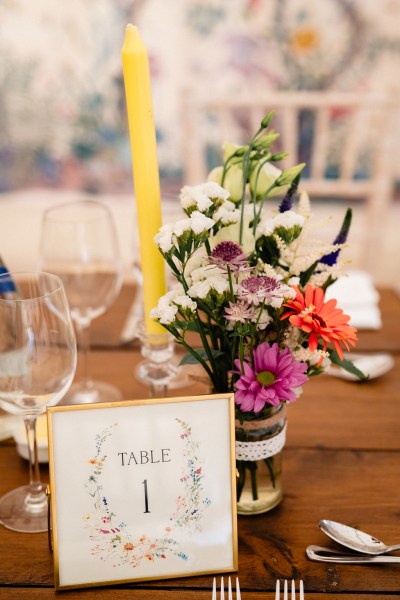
(79, 243)
(37, 365)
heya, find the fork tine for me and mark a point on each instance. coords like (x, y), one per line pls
(222, 589)
(238, 597)
(285, 590)
(229, 589)
(277, 589)
(214, 591)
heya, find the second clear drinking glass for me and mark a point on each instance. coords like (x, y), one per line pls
(79, 243)
(37, 365)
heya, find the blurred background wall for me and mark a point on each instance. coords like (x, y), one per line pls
(62, 118)
(63, 128)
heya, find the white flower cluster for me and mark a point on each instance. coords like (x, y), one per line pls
(286, 220)
(169, 234)
(201, 196)
(207, 279)
(169, 304)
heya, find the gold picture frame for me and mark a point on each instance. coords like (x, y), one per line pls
(142, 490)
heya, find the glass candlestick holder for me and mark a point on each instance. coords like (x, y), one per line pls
(158, 369)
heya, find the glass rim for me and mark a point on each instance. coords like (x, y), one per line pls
(52, 211)
(32, 274)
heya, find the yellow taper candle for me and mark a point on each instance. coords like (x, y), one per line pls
(145, 169)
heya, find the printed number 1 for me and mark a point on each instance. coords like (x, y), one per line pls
(146, 498)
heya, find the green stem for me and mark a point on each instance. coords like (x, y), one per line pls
(253, 475)
(270, 466)
(241, 467)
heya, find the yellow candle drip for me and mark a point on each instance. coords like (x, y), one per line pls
(145, 169)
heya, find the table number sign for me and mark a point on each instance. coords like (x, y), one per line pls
(142, 490)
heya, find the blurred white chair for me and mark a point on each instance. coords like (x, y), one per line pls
(345, 139)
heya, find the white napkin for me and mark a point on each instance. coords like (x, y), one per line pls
(357, 297)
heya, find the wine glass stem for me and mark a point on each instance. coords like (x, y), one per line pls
(36, 499)
(83, 334)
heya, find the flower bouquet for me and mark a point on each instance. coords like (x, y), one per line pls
(251, 284)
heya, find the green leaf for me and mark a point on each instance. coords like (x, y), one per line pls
(268, 250)
(328, 282)
(190, 359)
(305, 275)
(347, 365)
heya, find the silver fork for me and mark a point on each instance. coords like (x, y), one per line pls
(285, 590)
(222, 595)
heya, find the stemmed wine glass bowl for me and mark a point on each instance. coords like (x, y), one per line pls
(79, 243)
(37, 366)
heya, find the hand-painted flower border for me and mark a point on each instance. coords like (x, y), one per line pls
(111, 538)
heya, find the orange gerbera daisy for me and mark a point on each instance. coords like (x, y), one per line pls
(320, 319)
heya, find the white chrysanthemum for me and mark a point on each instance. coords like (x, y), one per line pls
(287, 220)
(164, 237)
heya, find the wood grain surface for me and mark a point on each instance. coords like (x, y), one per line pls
(341, 461)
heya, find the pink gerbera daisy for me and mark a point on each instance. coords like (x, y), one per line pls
(272, 378)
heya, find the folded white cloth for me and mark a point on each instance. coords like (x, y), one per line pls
(357, 297)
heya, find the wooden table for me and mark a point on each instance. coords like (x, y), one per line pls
(341, 461)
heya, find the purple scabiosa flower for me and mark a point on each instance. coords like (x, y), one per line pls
(257, 289)
(228, 254)
(239, 312)
(273, 378)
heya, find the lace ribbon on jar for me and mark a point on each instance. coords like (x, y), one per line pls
(261, 449)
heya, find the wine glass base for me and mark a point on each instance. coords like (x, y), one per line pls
(95, 392)
(16, 515)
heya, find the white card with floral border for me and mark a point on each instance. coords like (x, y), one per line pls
(142, 490)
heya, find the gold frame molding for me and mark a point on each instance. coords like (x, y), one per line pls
(227, 456)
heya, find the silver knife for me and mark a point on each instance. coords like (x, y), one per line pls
(321, 554)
